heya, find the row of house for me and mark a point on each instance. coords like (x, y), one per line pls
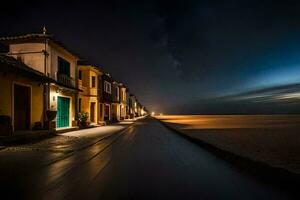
(44, 85)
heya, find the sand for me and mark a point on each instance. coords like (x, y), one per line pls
(272, 139)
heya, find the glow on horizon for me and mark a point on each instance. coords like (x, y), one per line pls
(276, 77)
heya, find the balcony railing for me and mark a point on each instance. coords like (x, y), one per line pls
(65, 80)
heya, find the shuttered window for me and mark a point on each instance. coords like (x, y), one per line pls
(63, 66)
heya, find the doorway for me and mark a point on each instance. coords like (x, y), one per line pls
(63, 112)
(107, 112)
(22, 99)
(92, 110)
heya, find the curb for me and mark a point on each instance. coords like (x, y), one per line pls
(26, 138)
(276, 176)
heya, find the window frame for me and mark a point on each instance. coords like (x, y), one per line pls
(63, 66)
(107, 87)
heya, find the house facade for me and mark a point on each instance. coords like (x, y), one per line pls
(43, 86)
(132, 106)
(21, 94)
(106, 98)
(43, 53)
(89, 98)
(115, 106)
(139, 109)
(123, 102)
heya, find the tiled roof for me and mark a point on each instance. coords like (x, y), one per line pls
(34, 37)
(26, 37)
(9, 64)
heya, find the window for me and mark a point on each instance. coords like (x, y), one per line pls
(93, 81)
(107, 87)
(80, 75)
(63, 66)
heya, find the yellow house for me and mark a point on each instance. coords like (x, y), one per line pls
(44, 54)
(89, 81)
(21, 94)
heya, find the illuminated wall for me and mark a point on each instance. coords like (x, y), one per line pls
(58, 92)
(36, 60)
(90, 93)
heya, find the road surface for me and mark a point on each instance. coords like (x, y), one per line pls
(146, 161)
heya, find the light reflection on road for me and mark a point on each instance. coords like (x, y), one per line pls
(147, 161)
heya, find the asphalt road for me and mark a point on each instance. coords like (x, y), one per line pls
(146, 161)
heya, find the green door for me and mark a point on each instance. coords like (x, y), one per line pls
(63, 112)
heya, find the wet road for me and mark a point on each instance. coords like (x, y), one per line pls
(147, 161)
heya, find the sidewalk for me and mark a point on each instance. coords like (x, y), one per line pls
(57, 147)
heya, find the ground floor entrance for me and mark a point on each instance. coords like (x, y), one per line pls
(106, 112)
(22, 107)
(63, 112)
(92, 111)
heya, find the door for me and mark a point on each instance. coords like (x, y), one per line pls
(21, 107)
(107, 113)
(92, 111)
(63, 112)
(101, 117)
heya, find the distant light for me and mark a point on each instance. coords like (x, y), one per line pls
(161, 114)
(153, 113)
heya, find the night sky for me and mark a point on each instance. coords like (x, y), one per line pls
(174, 55)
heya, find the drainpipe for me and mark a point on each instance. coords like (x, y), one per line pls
(46, 87)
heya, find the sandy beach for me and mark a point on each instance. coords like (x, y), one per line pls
(272, 139)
